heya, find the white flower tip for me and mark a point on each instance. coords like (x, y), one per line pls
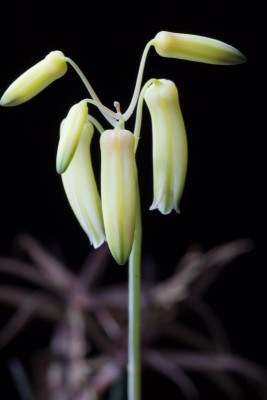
(165, 209)
(96, 243)
(120, 258)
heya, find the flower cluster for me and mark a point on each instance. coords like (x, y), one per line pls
(112, 215)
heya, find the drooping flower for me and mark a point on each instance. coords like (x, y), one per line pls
(81, 188)
(196, 48)
(118, 191)
(35, 79)
(70, 135)
(169, 145)
(118, 168)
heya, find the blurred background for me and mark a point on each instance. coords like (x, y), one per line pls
(223, 200)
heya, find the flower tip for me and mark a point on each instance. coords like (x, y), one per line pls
(121, 259)
(96, 243)
(233, 56)
(7, 101)
(242, 58)
(3, 102)
(164, 209)
(61, 166)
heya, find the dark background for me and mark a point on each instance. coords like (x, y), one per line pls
(224, 117)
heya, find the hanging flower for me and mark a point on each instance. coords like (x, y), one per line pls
(70, 135)
(118, 169)
(196, 48)
(118, 191)
(81, 189)
(169, 145)
(35, 79)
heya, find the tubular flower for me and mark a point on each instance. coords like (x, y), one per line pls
(70, 135)
(35, 79)
(169, 145)
(196, 48)
(81, 189)
(118, 191)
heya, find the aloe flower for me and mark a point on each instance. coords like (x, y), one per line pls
(81, 189)
(196, 48)
(118, 191)
(70, 134)
(169, 145)
(116, 216)
(35, 79)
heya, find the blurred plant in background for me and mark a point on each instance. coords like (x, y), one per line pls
(87, 355)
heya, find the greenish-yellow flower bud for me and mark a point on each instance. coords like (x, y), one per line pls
(70, 134)
(35, 79)
(196, 48)
(169, 145)
(118, 191)
(81, 189)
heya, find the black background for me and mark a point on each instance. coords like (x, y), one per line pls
(224, 115)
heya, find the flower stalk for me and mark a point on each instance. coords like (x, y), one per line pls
(134, 308)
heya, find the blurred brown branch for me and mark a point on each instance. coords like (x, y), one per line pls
(88, 350)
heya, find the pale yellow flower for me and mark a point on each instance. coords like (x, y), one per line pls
(196, 48)
(70, 134)
(118, 191)
(169, 145)
(81, 189)
(35, 79)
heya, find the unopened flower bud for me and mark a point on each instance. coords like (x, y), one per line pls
(35, 79)
(70, 135)
(196, 48)
(81, 189)
(118, 191)
(169, 145)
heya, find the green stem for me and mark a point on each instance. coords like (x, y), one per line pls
(134, 100)
(104, 110)
(134, 362)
